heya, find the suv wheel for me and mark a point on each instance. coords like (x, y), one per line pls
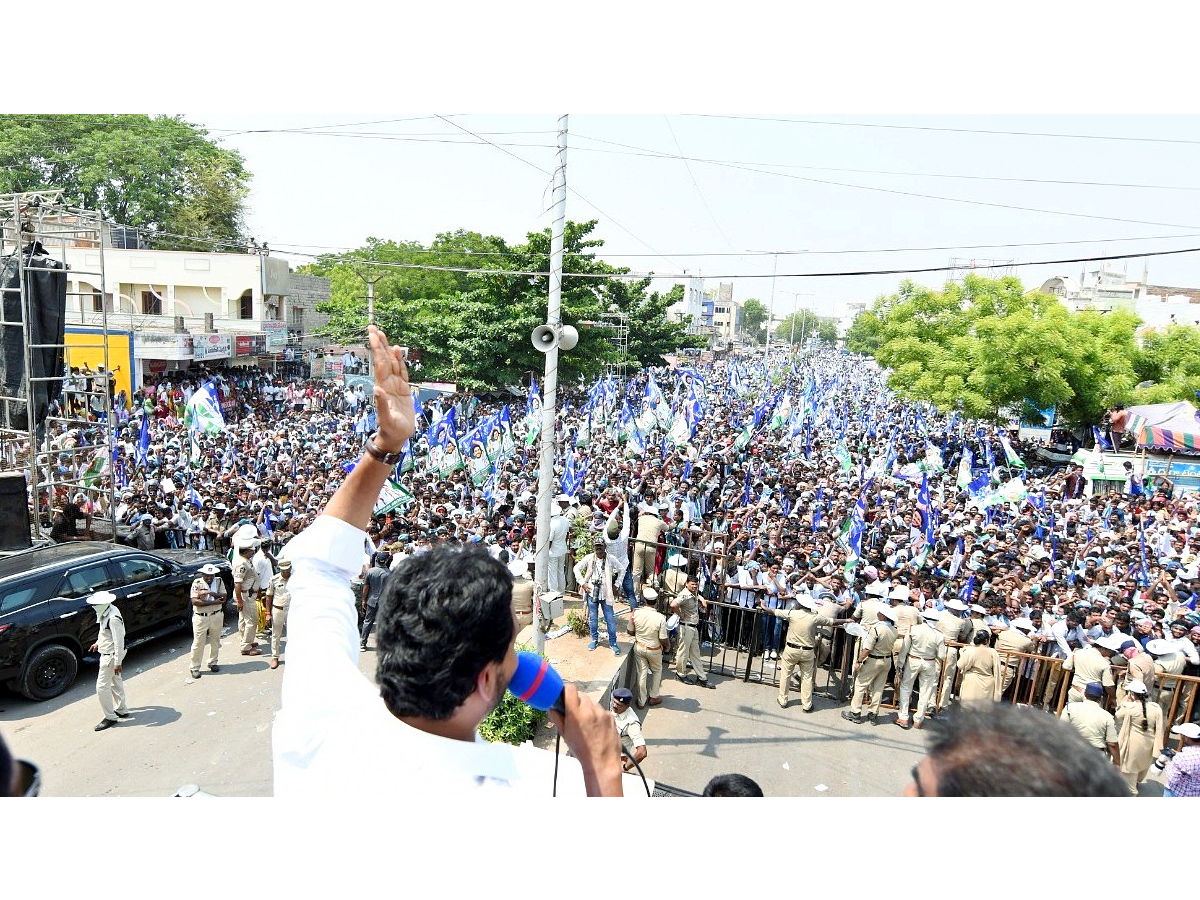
(49, 672)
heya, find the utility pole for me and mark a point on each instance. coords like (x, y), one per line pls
(546, 485)
(771, 311)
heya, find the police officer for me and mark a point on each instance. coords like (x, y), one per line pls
(1094, 723)
(648, 627)
(687, 605)
(871, 667)
(921, 651)
(629, 727)
(278, 596)
(110, 644)
(955, 628)
(208, 617)
(245, 595)
(801, 652)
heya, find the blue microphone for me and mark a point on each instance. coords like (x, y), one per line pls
(534, 682)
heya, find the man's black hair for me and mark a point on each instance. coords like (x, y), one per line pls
(732, 785)
(1007, 751)
(444, 615)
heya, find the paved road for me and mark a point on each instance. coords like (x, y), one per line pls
(738, 727)
(215, 732)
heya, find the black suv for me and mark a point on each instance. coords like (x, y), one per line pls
(46, 626)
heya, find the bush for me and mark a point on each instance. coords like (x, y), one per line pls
(578, 623)
(512, 722)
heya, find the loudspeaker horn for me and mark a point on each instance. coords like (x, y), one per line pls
(544, 338)
(568, 337)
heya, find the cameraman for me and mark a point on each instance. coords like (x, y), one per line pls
(445, 647)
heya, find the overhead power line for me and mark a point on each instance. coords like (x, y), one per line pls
(1044, 134)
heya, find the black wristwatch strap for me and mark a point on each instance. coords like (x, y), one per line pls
(375, 453)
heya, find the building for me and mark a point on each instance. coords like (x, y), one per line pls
(727, 316)
(176, 308)
(1109, 288)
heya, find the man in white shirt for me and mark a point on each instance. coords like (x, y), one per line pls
(336, 735)
(560, 527)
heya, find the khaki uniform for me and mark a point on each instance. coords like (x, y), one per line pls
(830, 610)
(867, 613)
(110, 644)
(674, 581)
(919, 656)
(1087, 664)
(907, 616)
(1096, 725)
(872, 674)
(982, 674)
(629, 727)
(955, 628)
(687, 647)
(1012, 640)
(208, 618)
(648, 529)
(1139, 745)
(649, 628)
(1140, 667)
(279, 597)
(801, 652)
(244, 575)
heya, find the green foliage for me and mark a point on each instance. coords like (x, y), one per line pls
(162, 175)
(986, 345)
(1170, 357)
(802, 325)
(474, 328)
(754, 316)
(578, 623)
(511, 722)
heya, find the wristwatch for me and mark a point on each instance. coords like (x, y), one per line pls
(375, 453)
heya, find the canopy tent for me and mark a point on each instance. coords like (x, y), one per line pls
(1165, 426)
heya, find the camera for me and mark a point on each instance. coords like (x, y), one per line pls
(1163, 758)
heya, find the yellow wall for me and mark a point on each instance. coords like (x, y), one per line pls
(86, 347)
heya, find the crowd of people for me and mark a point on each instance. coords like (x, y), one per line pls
(798, 487)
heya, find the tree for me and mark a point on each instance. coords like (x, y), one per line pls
(754, 314)
(474, 327)
(161, 175)
(988, 347)
(802, 325)
(1170, 359)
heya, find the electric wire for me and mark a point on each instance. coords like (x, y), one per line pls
(692, 178)
(1047, 134)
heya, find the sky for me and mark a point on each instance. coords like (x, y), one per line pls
(730, 197)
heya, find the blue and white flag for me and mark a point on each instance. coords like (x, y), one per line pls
(956, 560)
(143, 445)
(1101, 442)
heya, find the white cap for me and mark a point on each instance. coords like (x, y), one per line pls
(888, 613)
(807, 602)
(649, 593)
(956, 605)
(899, 592)
(975, 607)
(876, 589)
(518, 567)
(676, 559)
(562, 498)
(1135, 687)
(1189, 729)
(931, 614)
(102, 598)
(210, 569)
(1023, 624)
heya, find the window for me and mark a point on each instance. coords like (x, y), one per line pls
(86, 580)
(298, 315)
(16, 597)
(151, 304)
(134, 569)
(97, 301)
(246, 306)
